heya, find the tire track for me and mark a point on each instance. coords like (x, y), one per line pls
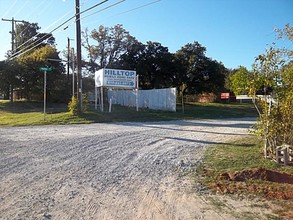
(103, 171)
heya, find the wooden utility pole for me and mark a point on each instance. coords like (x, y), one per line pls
(13, 21)
(78, 55)
(68, 61)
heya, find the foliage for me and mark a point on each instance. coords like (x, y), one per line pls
(276, 121)
(198, 72)
(275, 124)
(32, 78)
(21, 71)
(240, 81)
(73, 106)
(157, 68)
(272, 78)
(111, 44)
(9, 71)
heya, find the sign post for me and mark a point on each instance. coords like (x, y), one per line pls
(45, 69)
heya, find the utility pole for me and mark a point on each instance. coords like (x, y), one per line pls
(68, 61)
(78, 55)
(13, 21)
(73, 70)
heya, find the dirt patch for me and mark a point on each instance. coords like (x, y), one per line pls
(259, 181)
(258, 174)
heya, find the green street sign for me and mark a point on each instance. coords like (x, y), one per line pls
(48, 69)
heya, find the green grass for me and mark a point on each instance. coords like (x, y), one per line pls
(21, 113)
(244, 153)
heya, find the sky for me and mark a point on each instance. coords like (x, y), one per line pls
(233, 32)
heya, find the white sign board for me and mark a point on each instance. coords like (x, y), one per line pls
(115, 78)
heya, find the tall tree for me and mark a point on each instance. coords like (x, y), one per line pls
(9, 75)
(272, 77)
(109, 44)
(193, 66)
(29, 52)
(240, 80)
(28, 38)
(31, 76)
(155, 66)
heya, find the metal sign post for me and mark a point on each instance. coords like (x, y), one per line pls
(45, 69)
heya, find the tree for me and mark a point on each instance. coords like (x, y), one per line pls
(240, 80)
(28, 37)
(109, 45)
(9, 71)
(192, 69)
(196, 73)
(32, 78)
(32, 48)
(272, 77)
(213, 77)
(155, 66)
(275, 124)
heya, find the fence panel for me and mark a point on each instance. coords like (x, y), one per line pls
(157, 99)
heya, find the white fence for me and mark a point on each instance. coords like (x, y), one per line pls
(157, 99)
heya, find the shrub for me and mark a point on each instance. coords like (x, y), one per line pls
(73, 106)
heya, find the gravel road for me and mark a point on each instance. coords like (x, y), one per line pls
(108, 171)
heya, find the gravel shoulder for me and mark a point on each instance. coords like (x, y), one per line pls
(114, 171)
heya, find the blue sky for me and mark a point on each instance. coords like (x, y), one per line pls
(234, 32)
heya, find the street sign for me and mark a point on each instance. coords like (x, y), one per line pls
(44, 68)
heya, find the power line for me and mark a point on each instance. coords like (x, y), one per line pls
(9, 9)
(103, 9)
(139, 7)
(133, 9)
(26, 49)
(20, 9)
(117, 3)
(31, 39)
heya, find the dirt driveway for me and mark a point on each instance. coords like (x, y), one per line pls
(113, 171)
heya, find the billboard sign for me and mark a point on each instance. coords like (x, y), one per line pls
(115, 78)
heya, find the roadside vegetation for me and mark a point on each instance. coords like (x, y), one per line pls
(239, 168)
(20, 113)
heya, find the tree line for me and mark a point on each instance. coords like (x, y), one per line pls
(189, 69)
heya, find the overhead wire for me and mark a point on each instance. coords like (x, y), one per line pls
(6, 13)
(103, 9)
(9, 9)
(20, 9)
(27, 48)
(31, 39)
(124, 12)
(27, 26)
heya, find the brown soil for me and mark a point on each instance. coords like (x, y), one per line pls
(270, 184)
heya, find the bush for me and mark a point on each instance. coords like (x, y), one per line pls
(73, 106)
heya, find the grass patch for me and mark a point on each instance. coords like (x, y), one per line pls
(31, 113)
(245, 154)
